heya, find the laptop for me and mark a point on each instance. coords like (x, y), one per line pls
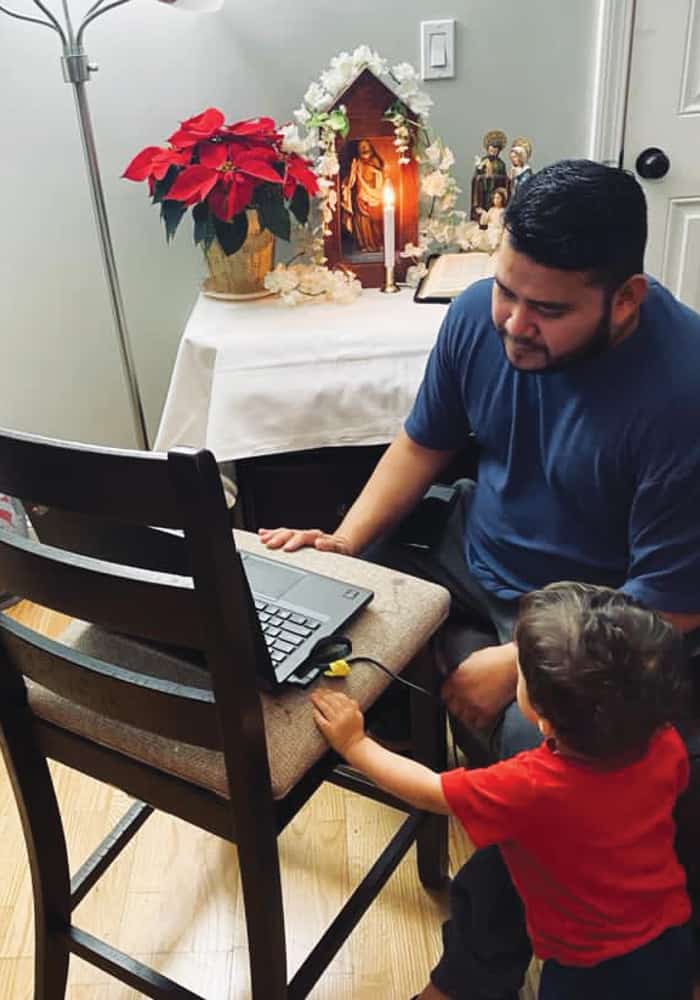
(296, 609)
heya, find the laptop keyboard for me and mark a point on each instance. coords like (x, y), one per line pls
(284, 630)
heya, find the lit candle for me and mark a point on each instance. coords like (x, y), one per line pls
(389, 215)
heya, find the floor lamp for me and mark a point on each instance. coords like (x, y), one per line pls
(76, 71)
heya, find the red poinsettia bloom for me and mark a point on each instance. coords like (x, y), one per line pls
(197, 129)
(154, 162)
(234, 172)
(259, 128)
(226, 169)
(299, 172)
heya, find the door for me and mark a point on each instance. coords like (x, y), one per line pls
(662, 138)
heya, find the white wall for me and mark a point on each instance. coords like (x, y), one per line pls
(523, 67)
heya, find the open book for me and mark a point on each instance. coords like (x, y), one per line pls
(450, 273)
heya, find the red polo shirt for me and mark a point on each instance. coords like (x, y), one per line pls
(590, 849)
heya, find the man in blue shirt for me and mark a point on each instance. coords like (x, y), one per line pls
(579, 379)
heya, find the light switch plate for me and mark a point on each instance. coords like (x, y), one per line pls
(437, 47)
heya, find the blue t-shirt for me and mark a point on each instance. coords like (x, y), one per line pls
(591, 473)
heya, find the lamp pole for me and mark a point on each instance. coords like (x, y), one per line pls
(76, 71)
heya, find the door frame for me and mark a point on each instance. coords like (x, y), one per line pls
(612, 61)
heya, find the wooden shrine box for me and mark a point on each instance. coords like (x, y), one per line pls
(368, 158)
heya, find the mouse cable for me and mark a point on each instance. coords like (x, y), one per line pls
(416, 687)
(394, 677)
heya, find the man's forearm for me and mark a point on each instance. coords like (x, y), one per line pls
(401, 477)
(406, 779)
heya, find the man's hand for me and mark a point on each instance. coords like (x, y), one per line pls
(339, 718)
(291, 539)
(482, 685)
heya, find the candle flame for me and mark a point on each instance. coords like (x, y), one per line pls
(388, 193)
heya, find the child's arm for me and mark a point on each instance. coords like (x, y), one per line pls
(340, 720)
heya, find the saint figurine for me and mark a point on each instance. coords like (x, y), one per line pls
(520, 170)
(490, 173)
(362, 198)
(486, 234)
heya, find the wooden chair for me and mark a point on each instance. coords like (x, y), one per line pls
(153, 689)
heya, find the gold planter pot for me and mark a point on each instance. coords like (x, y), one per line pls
(240, 276)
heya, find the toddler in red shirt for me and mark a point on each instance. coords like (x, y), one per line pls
(584, 821)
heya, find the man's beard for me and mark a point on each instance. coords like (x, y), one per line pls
(597, 344)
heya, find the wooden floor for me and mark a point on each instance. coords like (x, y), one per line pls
(172, 898)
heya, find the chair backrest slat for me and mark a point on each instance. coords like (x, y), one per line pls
(88, 479)
(134, 601)
(175, 711)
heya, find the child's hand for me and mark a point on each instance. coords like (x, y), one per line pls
(339, 718)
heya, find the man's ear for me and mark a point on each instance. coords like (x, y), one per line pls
(627, 299)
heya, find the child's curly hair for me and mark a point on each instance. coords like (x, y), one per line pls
(601, 668)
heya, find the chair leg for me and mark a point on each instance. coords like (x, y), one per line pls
(50, 964)
(258, 861)
(428, 728)
(44, 839)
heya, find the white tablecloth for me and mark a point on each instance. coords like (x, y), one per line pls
(260, 378)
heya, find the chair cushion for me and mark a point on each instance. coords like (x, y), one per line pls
(395, 626)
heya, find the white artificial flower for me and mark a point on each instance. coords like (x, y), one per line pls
(403, 71)
(345, 288)
(292, 142)
(312, 139)
(413, 250)
(361, 57)
(433, 153)
(302, 115)
(317, 98)
(434, 184)
(437, 230)
(403, 160)
(420, 103)
(328, 165)
(448, 202)
(334, 81)
(377, 64)
(448, 159)
(407, 89)
(312, 283)
(282, 279)
(343, 64)
(415, 273)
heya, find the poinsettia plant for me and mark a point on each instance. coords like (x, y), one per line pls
(222, 170)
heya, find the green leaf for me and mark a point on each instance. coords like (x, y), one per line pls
(338, 121)
(171, 212)
(204, 231)
(300, 204)
(272, 211)
(161, 188)
(317, 120)
(231, 235)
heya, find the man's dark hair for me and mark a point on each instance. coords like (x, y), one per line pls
(578, 215)
(602, 669)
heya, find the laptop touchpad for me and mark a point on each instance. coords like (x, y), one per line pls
(269, 578)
